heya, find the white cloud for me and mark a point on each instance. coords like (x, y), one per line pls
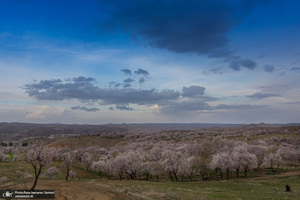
(44, 112)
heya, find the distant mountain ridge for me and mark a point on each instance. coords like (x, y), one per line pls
(16, 131)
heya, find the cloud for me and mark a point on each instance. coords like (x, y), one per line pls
(142, 80)
(5, 93)
(122, 107)
(185, 106)
(269, 68)
(84, 89)
(44, 112)
(192, 91)
(293, 103)
(176, 25)
(127, 82)
(114, 84)
(199, 27)
(84, 80)
(201, 106)
(237, 63)
(237, 107)
(126, 71)
(260, 95)
(295, 69)
(85, 108)
(142, 71)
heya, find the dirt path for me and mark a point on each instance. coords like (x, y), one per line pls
(72, 190)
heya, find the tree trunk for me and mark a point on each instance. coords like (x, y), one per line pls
(221, 174)
(273, 170)
(36, 178)
(227, 174)
(68, 170)
(157, 177)
(237, 173)
(175, 175)
(170, 174)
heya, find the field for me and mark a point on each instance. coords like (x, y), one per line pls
(91, 182)
(88, 186)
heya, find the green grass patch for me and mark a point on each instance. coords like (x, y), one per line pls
(264, 187)
(270, 188)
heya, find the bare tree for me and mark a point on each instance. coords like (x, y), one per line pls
(38, 156)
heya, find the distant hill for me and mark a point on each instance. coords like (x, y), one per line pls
(17, 131)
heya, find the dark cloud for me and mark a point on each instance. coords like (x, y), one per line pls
(195, 26)
(141, 97)
(207, 98)
(260, 95)
(142, 80)
(237, 63)
(122, 107)
(85, 108)
(114, 84)
(128, 80)
(192, 91)
(239, 107)
(127, 85)
(111, 108)
(126, 71)
(142, 71)
(85, 90)
(185, 106)
(269, 68)
(295, 69)
(84, 80)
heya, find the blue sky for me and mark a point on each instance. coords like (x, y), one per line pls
(100, 61)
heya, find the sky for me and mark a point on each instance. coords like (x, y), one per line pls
(149, 61)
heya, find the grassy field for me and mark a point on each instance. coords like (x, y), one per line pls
(271, 187)
(266, 187)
